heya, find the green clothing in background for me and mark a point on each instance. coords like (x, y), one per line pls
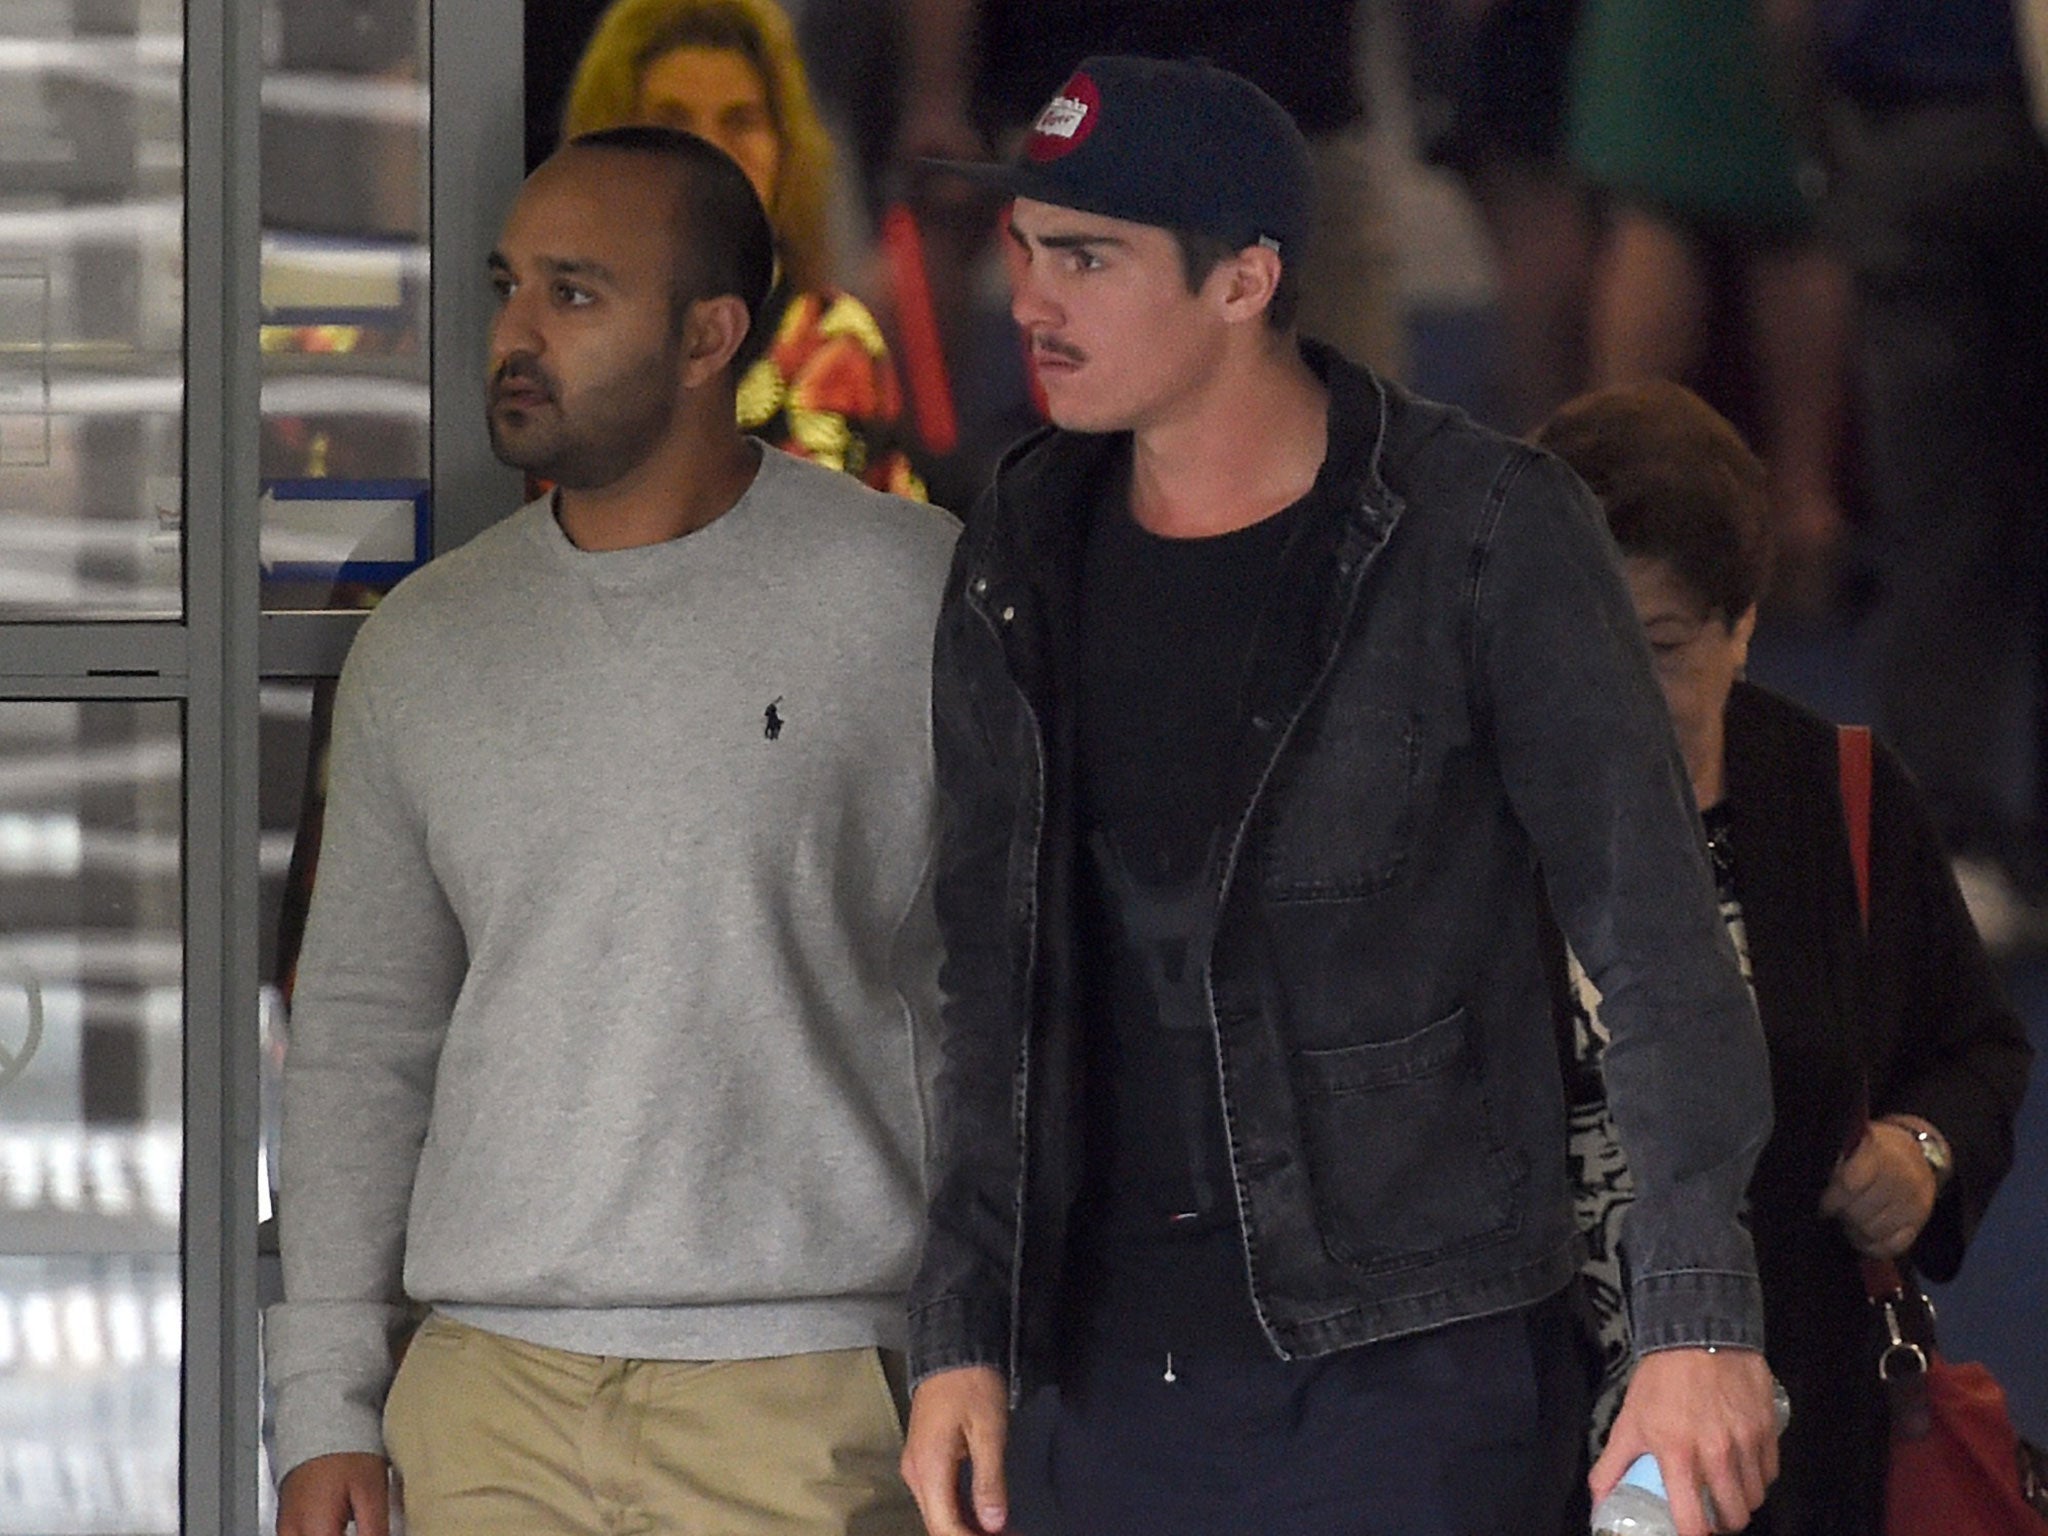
(1673, 105)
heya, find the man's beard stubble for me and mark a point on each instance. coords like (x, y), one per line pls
(593, 437)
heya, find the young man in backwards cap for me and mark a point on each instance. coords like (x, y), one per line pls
(1273, 707)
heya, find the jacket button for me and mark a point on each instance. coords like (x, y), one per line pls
(1009, 614)
(980, 586)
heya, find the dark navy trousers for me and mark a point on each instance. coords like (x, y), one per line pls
(1477, 1429)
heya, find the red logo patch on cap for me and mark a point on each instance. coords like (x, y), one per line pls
(1066, 122)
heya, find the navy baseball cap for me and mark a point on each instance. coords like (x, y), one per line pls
(1178, 144)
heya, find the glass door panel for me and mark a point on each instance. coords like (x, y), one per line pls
(91, 308)
(346, 324)
(91, 1135)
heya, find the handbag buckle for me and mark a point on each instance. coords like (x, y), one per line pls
(1902, 1367)
(1901, 1357)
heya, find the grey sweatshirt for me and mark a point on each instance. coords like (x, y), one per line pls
(610, 1026)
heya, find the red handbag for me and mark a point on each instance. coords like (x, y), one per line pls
(1957, 1466)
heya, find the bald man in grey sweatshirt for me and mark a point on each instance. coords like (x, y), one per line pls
(609, 1034)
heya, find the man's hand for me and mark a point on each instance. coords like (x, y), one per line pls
(1707, 1419)
(321, 1496)
(1882, 1193)
(955, 1416)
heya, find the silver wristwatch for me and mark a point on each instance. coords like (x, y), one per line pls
(1934, 1147)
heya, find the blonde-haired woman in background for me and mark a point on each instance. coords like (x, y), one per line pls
(823, 386)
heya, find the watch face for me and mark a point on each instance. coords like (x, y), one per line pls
(1932, 1149)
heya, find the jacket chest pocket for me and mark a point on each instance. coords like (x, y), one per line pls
(1342, 817)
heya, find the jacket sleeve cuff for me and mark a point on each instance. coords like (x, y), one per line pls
(1696, 1308)
(952, 1332)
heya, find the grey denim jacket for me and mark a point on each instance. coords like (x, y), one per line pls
(1452, 727)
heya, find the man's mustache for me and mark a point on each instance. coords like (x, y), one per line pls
(521, 370)
(1058, 348)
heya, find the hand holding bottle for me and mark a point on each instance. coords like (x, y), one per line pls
(1639, 1505)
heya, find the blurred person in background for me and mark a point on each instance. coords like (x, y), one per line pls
(1685, 118)
(1490, 82)
(822, 385)
(1900, 1045)
(1940, 202)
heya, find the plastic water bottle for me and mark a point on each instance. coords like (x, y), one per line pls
(1638, 1504)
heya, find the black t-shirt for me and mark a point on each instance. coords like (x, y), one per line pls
(1299, 52)
(1167, 627)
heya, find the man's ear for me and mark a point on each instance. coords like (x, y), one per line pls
(1247, 281)
(1742, 629)
(713, 329)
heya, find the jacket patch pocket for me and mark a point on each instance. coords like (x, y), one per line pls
(1343, 807)
(1404, 1159)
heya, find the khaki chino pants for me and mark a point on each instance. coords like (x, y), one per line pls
(494, 1437)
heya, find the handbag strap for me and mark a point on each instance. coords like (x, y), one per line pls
(1881, 1278)
(1882, 1282)
(1852, 748)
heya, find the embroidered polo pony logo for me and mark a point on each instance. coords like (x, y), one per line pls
(771, 720)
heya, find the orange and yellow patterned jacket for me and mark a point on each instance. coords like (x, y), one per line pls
(826, 390)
